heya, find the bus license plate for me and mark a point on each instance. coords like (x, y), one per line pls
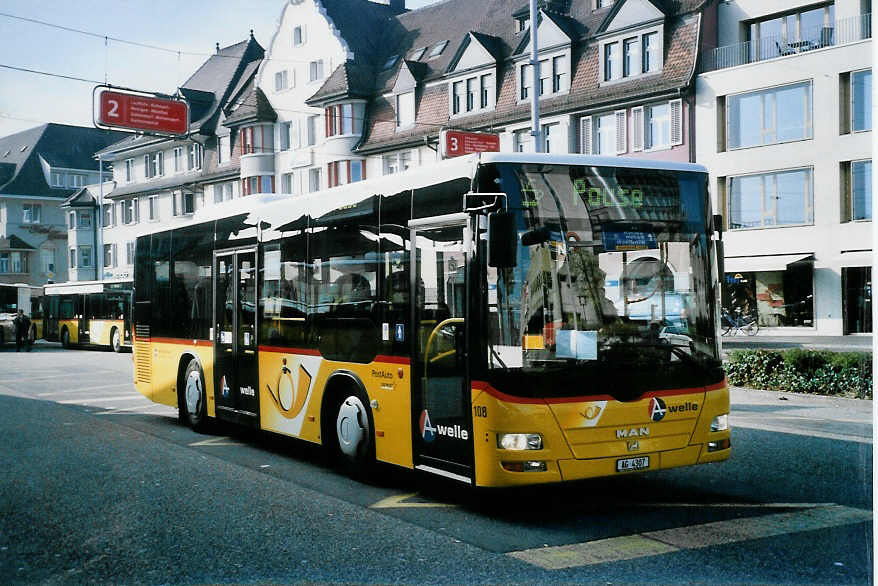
(628, 464)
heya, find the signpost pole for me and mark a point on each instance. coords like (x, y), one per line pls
(535, 88)
(100, 219)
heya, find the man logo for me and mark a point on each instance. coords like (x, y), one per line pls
(657, 409)
(224, 386)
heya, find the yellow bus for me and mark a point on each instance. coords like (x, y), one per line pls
(87, 314)
(497, 319)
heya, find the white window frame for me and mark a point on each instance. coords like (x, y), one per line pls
(178, 159)
(129, 170)
(153, 206)
(130, 252)
(300, 35)
(808, 200)
(281, 80)
(315, 71)
(548, 63)
(84, 256)
(851, 104)
(588, 133)
(392, 163)
(405, 118)
(31, 213)
(621, 40)
(479, 83)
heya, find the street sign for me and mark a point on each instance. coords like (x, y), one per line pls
(151, 114)
(456, 143)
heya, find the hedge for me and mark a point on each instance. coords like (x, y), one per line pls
(847, 374)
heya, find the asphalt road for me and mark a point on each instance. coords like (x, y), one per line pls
(99, 485)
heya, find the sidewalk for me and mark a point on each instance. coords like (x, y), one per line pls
(837, 343)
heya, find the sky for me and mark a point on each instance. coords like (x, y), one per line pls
(188, 30)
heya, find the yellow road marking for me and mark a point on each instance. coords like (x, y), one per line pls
(651, 543)
(398, 501)
(216, 441)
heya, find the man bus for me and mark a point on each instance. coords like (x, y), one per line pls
(498, 319)
(93, 314)
(15, 297)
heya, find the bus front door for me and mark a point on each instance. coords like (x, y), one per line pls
(235, 359)
(441, 398)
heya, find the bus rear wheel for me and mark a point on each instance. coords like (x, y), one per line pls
(192, 402)
(115, 340)
(354, 435)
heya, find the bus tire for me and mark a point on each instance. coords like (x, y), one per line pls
(192, 401)
(115, 340)
(353, 433)
(65, 338)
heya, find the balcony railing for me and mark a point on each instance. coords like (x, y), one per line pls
(845, 30)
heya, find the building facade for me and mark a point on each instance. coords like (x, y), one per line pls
(39, 169)
(159, 183)
(783, 111)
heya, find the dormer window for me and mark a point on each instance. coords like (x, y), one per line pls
(473, 94)
(554, 76)
(631, 55)
(417, 54)
(602, 3)
(521, 24)
(437, 49)
(344, 119)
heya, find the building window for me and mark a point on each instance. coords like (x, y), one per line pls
(129, 211)
(13, 262)
(313, 179)
(771, 116)
(47, 258)
(526, 79)
(57, 179)
(405, 110)
(803, 30)
(72, 258)
(857, 285)
(283, 135)
(344, 172)
(84, 220)
(780, 298)
(149, 166)
(861, 100)
(339, 119)
(612, 56)
(356, 171)
(286, 183)
(856, 190)
(456, 97)
(109, 215)
(109, 256)
(559, 74)
(652, 56)
(223, 149)
(31, 213)
(437, 49)
(129, 170)
(605, 134)
(178, 159)
(84, 257)
(523, 141)
(258, 184)
(486, 91)
(71, 221)
(315, 70)
(153, 203)
(257, 139)
(521, 23)
(129, 252)
(184, 203)
(552, 140)
(397, 162)
(281, 80)
(311, 130)
(474, 94)
(195, 156)
(658, 126)
(298, 36)
(631, 61)
(784, 198)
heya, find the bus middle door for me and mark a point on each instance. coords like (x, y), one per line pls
(235, 358)
(441, 397)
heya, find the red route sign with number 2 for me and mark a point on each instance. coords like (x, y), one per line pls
(145, 113)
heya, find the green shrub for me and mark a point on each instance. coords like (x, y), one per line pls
(803, 371)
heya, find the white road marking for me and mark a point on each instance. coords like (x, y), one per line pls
(30, 379)
(140, 410)
(216, 441)
(652, 543)
(90, 400)
(398, 501)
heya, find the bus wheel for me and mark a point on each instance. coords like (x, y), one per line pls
(65, 338)
(193, 402)
(115, 341)
(354, 435)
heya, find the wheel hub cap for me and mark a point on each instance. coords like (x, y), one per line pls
(351, 426)
(193, 392)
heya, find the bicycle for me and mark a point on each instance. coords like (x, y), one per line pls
(740, 322)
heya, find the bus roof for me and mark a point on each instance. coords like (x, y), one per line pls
(84, 286)
(589, 161)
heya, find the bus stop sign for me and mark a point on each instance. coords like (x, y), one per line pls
(150, 114)
(455, 143)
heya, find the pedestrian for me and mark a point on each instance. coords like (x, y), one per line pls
(22, 330)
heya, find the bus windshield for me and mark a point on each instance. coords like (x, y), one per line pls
(612, 280)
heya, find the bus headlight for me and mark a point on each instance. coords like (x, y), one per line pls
(720, 423)
(520, 441)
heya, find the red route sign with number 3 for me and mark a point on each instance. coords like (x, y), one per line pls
(456, 143)
(146, 113)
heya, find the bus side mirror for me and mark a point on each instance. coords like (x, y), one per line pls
(502, 240)
(720, 259)
(718, 224)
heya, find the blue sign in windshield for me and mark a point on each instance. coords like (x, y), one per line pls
(626, 240)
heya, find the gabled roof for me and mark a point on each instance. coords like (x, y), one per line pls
(490, 44)
(567, 25)
(351, 79)
(252, 106)
(660, 5)
(82, 198)
(13, 242)
(59, 145)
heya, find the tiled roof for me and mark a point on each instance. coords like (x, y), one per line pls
(350, 79)
(80, 198)
(252, 106)
(59, 145)
(494, 17)
(14, 243)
